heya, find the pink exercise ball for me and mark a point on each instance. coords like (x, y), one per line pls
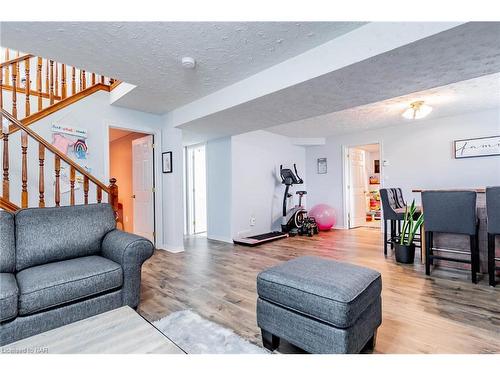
(324, 216)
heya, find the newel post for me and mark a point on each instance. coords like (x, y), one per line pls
(113, 195)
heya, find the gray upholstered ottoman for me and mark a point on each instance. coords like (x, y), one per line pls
(319, 305)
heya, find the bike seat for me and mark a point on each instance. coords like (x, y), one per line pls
(301, 192)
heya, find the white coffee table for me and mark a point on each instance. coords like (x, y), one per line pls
(119, 331)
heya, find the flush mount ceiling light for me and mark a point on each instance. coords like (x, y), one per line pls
(417, 110)
(188, 62)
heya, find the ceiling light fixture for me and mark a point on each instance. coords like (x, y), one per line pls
(188, 62)
(417, 110)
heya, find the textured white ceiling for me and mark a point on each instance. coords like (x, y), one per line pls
(461, 97)
(464, 52)
(148, 54)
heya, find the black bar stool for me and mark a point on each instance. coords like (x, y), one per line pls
(493, 215)
(451, 212)
(393, 209)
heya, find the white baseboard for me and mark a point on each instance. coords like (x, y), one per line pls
(220, 238)
(171, 249)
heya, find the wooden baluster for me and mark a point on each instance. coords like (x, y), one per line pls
(27, 87)
(72, 186)
(73, 80)
(47, 78)
(57, 192)
(7, 68)
(113, 195)
(102, 79)
(85, 190)
(24, 172)
(51, 90)
(99, 194)
(5, 182)
(93, 79)
(1, 95)
(14, 90)
(18, 68)
(39, 83)
(56, 83)
(5, 133)
(84, 80)
(63, 82)
(41, 175)
(24, 137)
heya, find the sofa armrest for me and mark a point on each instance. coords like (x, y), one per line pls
(130, 251)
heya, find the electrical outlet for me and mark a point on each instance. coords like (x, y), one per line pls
(252, 221)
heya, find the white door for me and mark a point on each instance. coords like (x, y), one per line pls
(142, 186)
(357, 188)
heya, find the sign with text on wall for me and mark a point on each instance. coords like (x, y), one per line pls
(70, 130)
(477, 147)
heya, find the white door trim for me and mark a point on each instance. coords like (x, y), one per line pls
(345, 176)
(190, 210)
(157, 168)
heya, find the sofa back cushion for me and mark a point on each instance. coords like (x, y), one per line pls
(7, 243)
(46, 235)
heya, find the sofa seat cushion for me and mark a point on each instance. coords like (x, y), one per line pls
(8, 296)
(53, 284)
(333, 292)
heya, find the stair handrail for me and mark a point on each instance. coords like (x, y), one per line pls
(8, 205)
(54, 150)
(16, 60)
(111, 190)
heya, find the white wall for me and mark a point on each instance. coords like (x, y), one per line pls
(219, 183)
(256, 186)
(172, 193)
(419, 156)
(94, 114)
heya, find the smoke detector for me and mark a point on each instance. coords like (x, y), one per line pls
(188, 62)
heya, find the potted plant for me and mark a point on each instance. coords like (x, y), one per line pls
(405, 246)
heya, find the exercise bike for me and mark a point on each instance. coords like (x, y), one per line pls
(295, 221)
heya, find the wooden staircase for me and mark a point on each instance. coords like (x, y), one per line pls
(51, 94)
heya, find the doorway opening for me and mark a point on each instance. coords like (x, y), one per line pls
(196, 190)
(362, 188)
(131, 162)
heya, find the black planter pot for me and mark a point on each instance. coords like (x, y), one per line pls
(404, 253)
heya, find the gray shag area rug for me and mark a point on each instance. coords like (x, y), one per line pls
(197, 335)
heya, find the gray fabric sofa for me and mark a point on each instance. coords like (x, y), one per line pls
(60, 265)
(319, 305)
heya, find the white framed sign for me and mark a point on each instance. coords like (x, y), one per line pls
(70, 130)
(477, 147)
(322, 166)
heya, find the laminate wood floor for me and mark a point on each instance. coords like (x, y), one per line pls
(444, 313)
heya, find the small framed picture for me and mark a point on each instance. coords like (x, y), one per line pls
(166, 161)
(322, 166)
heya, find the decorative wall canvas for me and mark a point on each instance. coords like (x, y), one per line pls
(322, 166)
(167, 162)
(477, 147)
